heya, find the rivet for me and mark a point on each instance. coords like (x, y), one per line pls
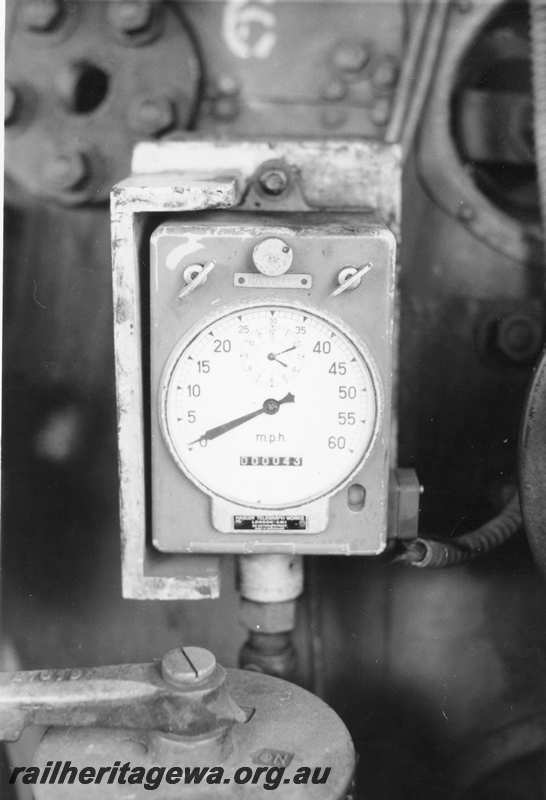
(335, 89)
(333, 117)
(351, 56)
(385, 74)
(40, 15)
(381, 111)
(65, 171)
(227, 86)
(130, 16)
(152, 116)
(226, 108)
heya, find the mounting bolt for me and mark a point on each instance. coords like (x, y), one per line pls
(520, 337)
(274, 181)
(10, 104)
(65, 171)
(40, 15)
(152, 116)
(185, 666)
(130, 16)
(350, 56)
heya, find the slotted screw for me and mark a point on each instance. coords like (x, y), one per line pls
(187, 665)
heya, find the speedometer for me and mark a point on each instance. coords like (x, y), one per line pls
(270, 406)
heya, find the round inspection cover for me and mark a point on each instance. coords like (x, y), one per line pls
(84, 92)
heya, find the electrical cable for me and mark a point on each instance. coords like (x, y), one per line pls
(436, 554)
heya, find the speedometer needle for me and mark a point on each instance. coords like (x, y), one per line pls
(270, 406)
(275, 356)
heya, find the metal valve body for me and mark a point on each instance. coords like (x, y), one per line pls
(244, 732)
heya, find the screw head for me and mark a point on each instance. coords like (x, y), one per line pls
(152, 116)
(40, 15)
(187, 666)
(274, 181)
(350, 56)
(130, 16)
(65, 171)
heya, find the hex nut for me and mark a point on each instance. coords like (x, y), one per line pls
(274, 181)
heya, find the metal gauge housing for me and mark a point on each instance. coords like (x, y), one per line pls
(270, 399)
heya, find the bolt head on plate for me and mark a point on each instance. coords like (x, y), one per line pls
(186, 666)
(274, 181)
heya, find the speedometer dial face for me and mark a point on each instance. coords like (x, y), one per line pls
(269, 406)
